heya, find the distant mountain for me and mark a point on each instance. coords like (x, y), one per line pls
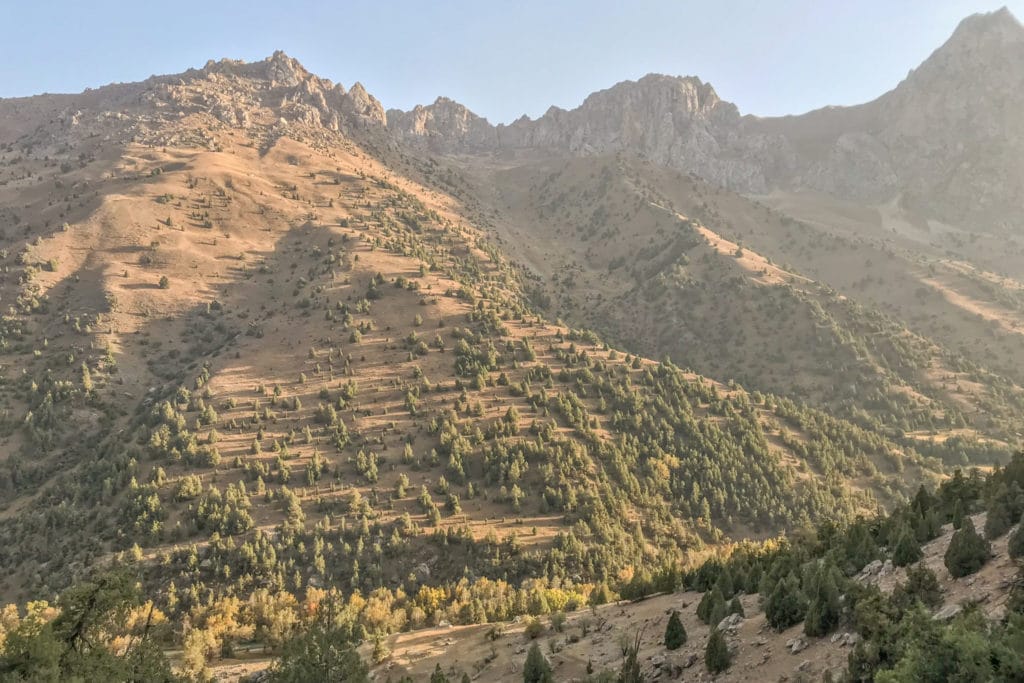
(947, 140)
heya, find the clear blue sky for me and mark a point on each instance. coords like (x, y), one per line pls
(500, 58)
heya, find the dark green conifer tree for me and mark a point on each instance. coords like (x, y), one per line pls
(907, 550)
(536, 668)
(716, 654)
(967, 551)
(823, 610)
(786, 604)
(997, 521)
(675, 632)
(958, 514)
(1015, 545)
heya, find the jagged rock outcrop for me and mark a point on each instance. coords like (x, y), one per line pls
(954, 127)
(279, 83)
(444, 126)
(675, 121)
(268, 96)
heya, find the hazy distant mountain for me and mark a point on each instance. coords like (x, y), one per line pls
(947, 140)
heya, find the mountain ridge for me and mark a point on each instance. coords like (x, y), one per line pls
(898, 147)
(877, 151)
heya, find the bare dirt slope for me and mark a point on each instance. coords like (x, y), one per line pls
(923, 343)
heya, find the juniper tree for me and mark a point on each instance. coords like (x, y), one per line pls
(675, 632)
(823, 609)
(907, 550)
(786, 604)
(716, 654)
(998, 520)
(536, 668)
(967, 551)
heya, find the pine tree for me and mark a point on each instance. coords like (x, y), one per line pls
(718, 612)
(704, 607)
(929, 526)
(709, 605)
(438, 675)
(725, 583)
(823, 610)
(716, 654)
(1015, 499)
(922, 501)
(922, 585)
(907, 550)
(536, 669)
(997, 521)
(786, 605)
(860, 547)
(967, 551)
(675, 632)
(736, 607)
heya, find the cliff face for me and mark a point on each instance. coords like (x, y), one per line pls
(674, 121)
(947, 139)
(445, 126)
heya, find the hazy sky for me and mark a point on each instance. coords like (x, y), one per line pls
(502, 59)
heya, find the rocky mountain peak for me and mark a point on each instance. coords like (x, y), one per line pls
(949, 133)
(998, 25)
(284, 69)
(982, 45)
(674, 120)
(444, 125)
(279, 69)
(665, 93)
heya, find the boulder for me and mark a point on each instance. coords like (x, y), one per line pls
(948, 612)
(795, 645)
(730, 623)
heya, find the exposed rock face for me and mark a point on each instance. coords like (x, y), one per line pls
(674, 121)
(948, 140)
(677, 122)
(444, 126)
(270, 95)
(282, 83)
(954, 127)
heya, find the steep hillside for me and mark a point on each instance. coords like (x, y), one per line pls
(271, 343)
(672, 266)
(930, 592)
